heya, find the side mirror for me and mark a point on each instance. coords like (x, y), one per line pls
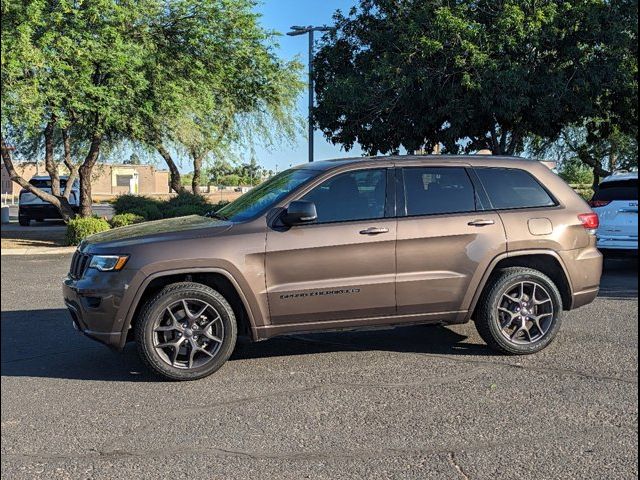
(299, 213)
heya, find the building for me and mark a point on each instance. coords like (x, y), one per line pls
(107, 180)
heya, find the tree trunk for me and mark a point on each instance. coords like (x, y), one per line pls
(73, 168)
(197, 174)
(596, 177)
(61, 203)
(49, 163)
(85, 176)
(175, 180)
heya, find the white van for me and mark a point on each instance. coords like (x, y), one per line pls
(33, 208)
(616, 203)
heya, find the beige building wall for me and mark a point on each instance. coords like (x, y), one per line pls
(106, 180)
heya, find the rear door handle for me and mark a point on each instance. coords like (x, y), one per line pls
(481, 223)
(374, 231)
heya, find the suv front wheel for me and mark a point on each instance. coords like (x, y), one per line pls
(186, 332)
(520, 311)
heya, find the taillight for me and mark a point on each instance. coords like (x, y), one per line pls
(590, 221)
(599, 203)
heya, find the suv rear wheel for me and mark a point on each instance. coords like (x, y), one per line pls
(24, 221)
(520, 311)
(186, 332)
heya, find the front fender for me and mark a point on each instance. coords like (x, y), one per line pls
(146, 275)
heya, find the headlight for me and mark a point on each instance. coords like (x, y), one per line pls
(108, 263)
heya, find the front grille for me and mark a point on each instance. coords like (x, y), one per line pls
(79, 264)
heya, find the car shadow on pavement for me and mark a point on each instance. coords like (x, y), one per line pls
(620, 278)
(55, 350)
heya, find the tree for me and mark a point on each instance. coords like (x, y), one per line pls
(214, 81)
(72, 67)
(470, 74)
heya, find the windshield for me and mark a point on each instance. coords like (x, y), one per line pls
(266, 195)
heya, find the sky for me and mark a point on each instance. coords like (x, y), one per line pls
(280, 15)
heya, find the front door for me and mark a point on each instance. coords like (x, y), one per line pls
(343, 266)
(445, 240)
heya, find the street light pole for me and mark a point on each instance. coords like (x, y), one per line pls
(295, 31)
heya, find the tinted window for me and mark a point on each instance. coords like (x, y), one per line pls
(617, 190)
(46, 183)
(358, 195)
(430, 191)
(512, 188)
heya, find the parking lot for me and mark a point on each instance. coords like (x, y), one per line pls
(415, 402)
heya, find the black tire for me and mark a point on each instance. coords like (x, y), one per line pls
(24, 221)
(488, 316)
(154, 309)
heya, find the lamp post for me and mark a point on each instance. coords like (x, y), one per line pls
(295, 31)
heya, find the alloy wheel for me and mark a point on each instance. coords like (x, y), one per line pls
(188, 334)
(525, 313)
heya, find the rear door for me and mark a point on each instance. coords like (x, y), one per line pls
(616, 203)
(343, 266)
(445, 239)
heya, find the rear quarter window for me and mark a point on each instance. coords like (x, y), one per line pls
(617, 190)
(511, 188)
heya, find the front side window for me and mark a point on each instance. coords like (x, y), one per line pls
(510, 188)
(433, 191)
(266, 195)
(351, 196)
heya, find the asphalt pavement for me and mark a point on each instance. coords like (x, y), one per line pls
(414, 402)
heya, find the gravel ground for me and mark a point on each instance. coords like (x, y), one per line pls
(416, 402)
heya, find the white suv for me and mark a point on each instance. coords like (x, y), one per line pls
(616, 203)
(33, 208)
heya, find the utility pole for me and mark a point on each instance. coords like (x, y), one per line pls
(295, 31)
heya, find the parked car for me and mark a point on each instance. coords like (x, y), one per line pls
(31, 207)
(616, 203)
(345, 244)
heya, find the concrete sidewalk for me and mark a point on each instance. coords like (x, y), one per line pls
(38, 251)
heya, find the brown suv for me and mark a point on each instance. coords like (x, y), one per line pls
(345, 244)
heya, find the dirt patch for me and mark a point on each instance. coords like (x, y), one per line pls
(30, 239)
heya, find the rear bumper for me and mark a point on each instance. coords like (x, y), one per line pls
(42, 211)
(617, 242)
(584, 268)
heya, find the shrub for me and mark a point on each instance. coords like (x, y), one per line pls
(80, 228)
(184, 210)
(124, 219)
(186, 204)
(146, 207)
(219, 205)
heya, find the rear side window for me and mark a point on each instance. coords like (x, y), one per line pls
(432, 191)
(510, 188)
(617, 190)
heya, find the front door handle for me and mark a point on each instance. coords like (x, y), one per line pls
(374, 231)
(481, 223)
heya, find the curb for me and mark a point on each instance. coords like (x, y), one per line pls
(38, 251)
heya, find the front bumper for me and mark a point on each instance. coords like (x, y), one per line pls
(95, 304)
(41, 211)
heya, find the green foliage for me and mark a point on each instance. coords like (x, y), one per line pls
(145, 207)
(124, 219)
(186, 204)
(474, 74)
(576, 172)
(231, 180)
(79, 228)
(140, 208)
